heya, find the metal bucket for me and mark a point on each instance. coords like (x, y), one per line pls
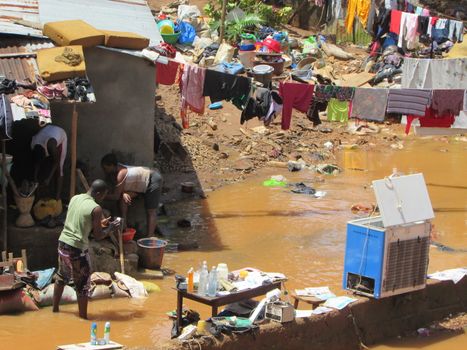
(263, 73)
(151, 252)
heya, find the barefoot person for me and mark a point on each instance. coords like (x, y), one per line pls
(130, 181)
(84, 215)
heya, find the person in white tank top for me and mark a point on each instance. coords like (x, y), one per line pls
(131, 181)
(50, 142)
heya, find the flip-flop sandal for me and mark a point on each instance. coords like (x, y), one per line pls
(46, 91)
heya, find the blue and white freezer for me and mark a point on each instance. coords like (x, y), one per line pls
(388, 254)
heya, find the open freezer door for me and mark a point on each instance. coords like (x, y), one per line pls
(403, 199)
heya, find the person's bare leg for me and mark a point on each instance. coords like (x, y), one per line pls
(83, 307)
(58, 291)
(151, 221)
(59, 186)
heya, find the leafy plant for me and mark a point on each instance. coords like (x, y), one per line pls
(236, 26)
(271, 16)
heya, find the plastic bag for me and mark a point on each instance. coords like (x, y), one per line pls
(135, 288)
(224, 54)
(310, 45)
(188, 11)
(187, 33)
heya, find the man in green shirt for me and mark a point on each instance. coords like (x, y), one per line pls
(84, 215)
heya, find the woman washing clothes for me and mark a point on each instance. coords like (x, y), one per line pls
(131, 181)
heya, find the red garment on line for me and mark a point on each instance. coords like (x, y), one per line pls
(294, 95)
(166, 74)
(395, 24)
(431, 120)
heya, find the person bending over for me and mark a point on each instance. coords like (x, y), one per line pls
(50, 143)
(129, 181)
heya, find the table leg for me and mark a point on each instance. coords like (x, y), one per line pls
(214, 311)
(179, 312)
(295, 303)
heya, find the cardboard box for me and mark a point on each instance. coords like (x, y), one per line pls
(280, 311)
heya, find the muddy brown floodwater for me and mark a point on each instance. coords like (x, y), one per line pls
(275, 230)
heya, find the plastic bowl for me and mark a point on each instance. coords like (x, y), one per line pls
(171, 38)
(128, 234)
(166, 27)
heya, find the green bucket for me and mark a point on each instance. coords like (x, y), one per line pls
(171, 38)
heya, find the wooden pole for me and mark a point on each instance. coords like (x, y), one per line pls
(4, 199)
(222, 31)
(74, 137)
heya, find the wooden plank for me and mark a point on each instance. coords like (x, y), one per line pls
(355, 80)
(4, 198)
(83, 179)
(88, 346)
(74, 139)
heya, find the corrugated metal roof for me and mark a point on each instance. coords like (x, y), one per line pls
(119, 15)
(21, 69)
(15, 43)
(12, 11)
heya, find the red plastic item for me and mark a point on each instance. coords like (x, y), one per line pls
(272, 44)
(128, 234)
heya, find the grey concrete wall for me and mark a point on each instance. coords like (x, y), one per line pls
(122, 119)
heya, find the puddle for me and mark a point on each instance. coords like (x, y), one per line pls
(247, 224)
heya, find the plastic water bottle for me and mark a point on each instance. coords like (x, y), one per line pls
(212, 285)
(107, 332)
(94, 333)
(203, 279)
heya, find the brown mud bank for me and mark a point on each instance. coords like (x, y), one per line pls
(361, 324)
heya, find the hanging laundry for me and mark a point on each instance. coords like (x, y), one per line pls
(423, 23)
(431, 119)
(313, 112)
(447, 101)
(191, 87)
(456, 31)
(326, 92)
(408, 31)
(382, 21)
(359, 8)
(408, 101)
(166, 74)
(338, 111)
(370, 104)
(434, 74)
(440, 30)
(275, 108)
(264, 105)
(294, 95)
(390, 4)
(395, 23)
(222, 86)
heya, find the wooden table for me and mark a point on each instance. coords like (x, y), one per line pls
(217, 301)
